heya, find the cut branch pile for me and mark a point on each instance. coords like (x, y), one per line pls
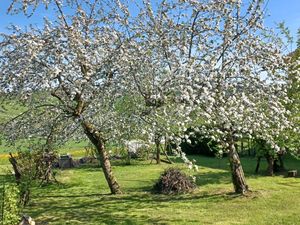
(173, 181)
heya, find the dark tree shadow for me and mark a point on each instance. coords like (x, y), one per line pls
(110, 209)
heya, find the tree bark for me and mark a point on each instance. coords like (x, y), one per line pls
(270, 169)
(168, 158)
(258, 164)
(157, 144)
(237, 173)
(281, 164)
(95, 137)
(157, 155)
(250, 152)
(16, 169)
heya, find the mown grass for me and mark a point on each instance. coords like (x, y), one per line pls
(82, 197)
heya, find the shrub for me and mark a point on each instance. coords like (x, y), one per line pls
(173, 181)
(30, 166)
(137, 149)
(200, 146)
(10, 210)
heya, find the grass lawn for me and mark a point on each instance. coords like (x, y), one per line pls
(82, 197)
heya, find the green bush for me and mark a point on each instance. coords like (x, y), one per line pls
(200, 146)
(10, 205)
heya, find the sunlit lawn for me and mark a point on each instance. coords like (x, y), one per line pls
(82, 197)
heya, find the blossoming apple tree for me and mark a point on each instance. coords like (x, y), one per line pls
(243, 77)
(68, 74)
(218, 67)
(206, 65)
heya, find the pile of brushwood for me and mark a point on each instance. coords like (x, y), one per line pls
(173, 181)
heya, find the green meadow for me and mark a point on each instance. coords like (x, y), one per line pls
(82, 196)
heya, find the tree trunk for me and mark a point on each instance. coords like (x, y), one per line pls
(238, 177)
(168, 158)
(258, 164)
(281, 164)
(16, 169)
(97, 140)
(157, 144)
(157, 154)
(270, 169)
(242, 145)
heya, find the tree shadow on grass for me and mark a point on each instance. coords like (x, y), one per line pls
(110, 209)
(69, 205)
(67, 202)
(91, 210)
(74, 206)
(202, 178)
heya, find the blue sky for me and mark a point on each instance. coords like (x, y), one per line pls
(284, 10)
(279, 10)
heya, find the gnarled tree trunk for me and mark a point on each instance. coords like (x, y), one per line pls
(97, 140)
(237, 173)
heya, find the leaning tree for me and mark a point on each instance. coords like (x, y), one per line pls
(219, 68)
(68, 74)
(209, 65)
